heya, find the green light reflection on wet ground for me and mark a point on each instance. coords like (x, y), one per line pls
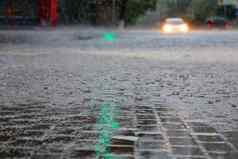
(106, 126)
(109, 36)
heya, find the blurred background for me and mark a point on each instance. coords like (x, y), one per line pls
(113, 12)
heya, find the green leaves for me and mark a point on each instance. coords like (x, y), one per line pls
(136, 8)
(203, 9)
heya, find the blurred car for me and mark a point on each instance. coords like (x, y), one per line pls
(175, 25)
(218, 22)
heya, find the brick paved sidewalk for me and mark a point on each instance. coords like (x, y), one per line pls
(39, 132)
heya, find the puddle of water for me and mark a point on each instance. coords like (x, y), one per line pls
(154, 155)
(191, 151)
(182, 141)
(87, 37)
(214, 138)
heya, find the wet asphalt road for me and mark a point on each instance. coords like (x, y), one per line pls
(176, 94)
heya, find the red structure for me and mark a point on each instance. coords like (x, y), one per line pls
(47, 11)
(44, 10)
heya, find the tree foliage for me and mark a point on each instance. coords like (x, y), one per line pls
(203, 8)
(193, 10)
(76, 11)
(229, 11)
(83, 10)
(170, 8)
(131, 10)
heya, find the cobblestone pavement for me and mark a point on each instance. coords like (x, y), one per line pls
(170, 107)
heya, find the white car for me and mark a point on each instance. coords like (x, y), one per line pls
(175, 25)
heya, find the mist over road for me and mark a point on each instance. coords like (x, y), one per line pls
(180, 92)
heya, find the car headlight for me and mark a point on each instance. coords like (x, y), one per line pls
(184, 28)
(167, 28)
